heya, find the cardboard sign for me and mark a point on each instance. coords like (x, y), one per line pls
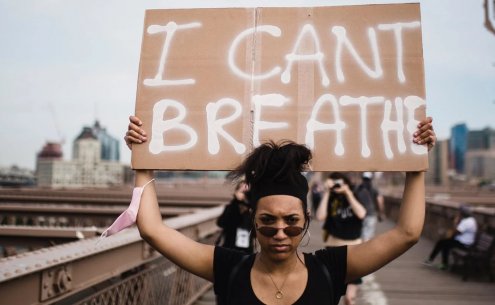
(346, 81)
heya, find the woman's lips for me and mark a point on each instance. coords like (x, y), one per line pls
(280, 248)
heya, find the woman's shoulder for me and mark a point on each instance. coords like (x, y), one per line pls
(334, 259)
(329, 254)
(226, 259)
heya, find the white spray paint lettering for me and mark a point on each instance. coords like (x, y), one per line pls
(313, 125)
(215, 126)
(267, 100)
(397, 28)
(342, 40)
(398, 126)
(363, 103)
(270, 29)
(317, 56)
(160, 127)
(170, 30)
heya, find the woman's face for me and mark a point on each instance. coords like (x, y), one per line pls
(279, 211)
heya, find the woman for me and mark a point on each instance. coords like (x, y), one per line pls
(343, 212)
(278, 274)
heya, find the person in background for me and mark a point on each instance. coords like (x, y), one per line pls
(343, 214)
(373, 203)
(316, 190)
(462, 237)
(235, 222)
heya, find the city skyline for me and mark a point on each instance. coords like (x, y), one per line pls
(67, 64)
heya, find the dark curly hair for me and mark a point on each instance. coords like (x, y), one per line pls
(275, 168)
(273, 161)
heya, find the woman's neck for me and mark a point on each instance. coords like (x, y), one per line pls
(277, 266)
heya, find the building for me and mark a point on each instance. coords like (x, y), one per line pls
(458, 147)
(52, 151)
(438, 168)
(480, 155)
(481, 139)
(15, 176)
(86, 169)
(110, 149)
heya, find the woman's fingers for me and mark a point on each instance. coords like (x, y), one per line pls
(135, 120)
(132, 137)
(135, 128)
(426, 124)
(425, 133)
(134, 132)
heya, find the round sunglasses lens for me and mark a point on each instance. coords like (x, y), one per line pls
(293, 230)
(268, 231)
(289, 231)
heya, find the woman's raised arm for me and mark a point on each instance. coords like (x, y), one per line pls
(367, 257)
(188, 254)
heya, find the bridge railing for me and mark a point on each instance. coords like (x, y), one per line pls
(121, 269)
(440, 216)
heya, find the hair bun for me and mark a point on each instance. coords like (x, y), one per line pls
(287, 160)
(274, 162)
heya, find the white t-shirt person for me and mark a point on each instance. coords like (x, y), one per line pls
(464, 237)
(467, 228)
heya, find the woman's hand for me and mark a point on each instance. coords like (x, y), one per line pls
(134, 132)
(327, 186)
(342, 189)
(425, 133)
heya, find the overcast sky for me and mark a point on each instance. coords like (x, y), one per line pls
(64, 63)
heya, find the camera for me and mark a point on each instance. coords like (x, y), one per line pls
(337, 183)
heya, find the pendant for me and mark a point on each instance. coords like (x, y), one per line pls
(279, 295)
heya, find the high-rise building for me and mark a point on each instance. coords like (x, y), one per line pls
(110, 150)
(458, 147)
(437, 173)
(481, 139)
(480, 155)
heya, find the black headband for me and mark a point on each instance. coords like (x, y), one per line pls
(297, 187)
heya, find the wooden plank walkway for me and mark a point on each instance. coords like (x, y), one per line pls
(406, 281)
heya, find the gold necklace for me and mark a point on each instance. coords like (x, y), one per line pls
(279, 294)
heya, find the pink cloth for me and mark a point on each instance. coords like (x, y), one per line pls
(128, 217)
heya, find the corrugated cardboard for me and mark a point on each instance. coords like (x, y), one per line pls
(279, 66)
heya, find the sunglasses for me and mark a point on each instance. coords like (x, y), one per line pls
(272, 231)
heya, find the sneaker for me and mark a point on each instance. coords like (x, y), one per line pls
(428, 262)
(442, 267)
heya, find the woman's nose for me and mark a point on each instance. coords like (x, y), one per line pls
(280, 232)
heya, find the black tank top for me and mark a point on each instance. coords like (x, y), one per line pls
(315, 293)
